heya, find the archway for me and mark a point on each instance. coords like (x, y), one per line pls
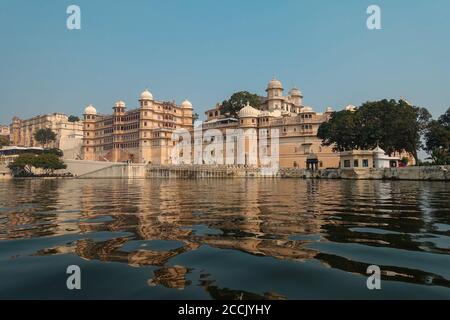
(312, 162)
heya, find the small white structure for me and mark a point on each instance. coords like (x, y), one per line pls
(382, 160)
(365, 159)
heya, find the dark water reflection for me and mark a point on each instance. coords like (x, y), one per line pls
(224, 239)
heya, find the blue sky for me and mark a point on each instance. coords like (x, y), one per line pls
(205, 50)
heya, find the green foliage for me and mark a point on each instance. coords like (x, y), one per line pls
(4, 141)
(24, 164)
(237, 101)
(73, 118)
(405, 161)
(45, 136)
(195, 117)
(49, 162)
(437, 139)
(342, 131)
(55, 151)
(394, 125)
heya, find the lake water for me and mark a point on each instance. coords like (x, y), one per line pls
(224, 239)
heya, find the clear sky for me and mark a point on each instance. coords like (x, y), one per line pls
(204, 50)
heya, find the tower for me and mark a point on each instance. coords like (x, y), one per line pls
(145, 126)
(296, 96)
(187, 111)
(274, 95)
(88, 149)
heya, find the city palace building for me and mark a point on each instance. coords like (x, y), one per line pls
(297, 124)
(141, 135)
(68, 134)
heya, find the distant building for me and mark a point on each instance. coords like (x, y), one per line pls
(299, 146)
(68, 134)
(4, 131)
(140, 135)
(365, 159)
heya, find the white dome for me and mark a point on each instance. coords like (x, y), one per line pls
(329, 109)
(248, 112)
(295, 92)
(90, 110)
(275, 84)
(186, 104)
(146, 95)
(306, 109)
(120, 104)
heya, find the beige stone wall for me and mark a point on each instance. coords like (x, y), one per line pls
(69, 134)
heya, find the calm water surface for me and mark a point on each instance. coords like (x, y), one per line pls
(224, 239)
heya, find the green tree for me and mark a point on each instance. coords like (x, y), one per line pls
(395, 126)
(45, 136)
(73, 118)
(195, 117)
(341, 131)
(49, 162)
(23, 165)
(237, 101)
(4, 141)
(437, 139)
(55, 151)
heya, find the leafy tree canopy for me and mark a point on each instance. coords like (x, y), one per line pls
(25, 164)
(237, 101)
(4, 141)
(395, 126)
(437, 139)
(45, 136)
(73, 118)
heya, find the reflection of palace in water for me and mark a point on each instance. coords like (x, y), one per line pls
(272, 218)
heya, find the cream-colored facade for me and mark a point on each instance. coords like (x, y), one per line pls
(297, 124)
(4, 131)
(68, 134)
(141, 135)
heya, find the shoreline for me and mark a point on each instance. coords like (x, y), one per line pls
(139, 171)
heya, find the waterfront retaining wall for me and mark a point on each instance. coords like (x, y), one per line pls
(432, 173)
(118, 171)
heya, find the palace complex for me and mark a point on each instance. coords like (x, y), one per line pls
(296, 123)
(144, 134)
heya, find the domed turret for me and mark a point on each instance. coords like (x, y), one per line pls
(146, 95)
(274, 84)
(249, 112)
(295, 92)
(90, 110)
(186, 104)
(120, 104)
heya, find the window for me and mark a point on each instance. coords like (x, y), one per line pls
(356, 163)
(346, 163)
(365, 163)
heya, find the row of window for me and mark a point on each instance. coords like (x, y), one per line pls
(365, 163)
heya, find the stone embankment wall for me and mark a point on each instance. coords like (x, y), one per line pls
(432, 173)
